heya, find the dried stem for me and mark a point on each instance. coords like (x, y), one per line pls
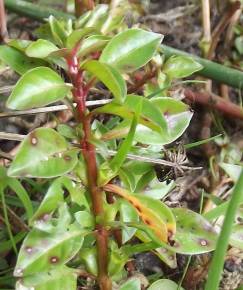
(225, 20)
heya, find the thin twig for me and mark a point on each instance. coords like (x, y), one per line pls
(50, 109)
(18, 137)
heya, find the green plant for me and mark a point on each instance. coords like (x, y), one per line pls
(97, 203)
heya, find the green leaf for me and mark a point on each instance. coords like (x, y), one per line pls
(125, 146)
(89, 257)
(17, 187)
(127, 214)
(194, 235)
(58, 31)
(110, 77)
(117, 260)
(131, 49)
(239, 44)
(44, 153)
(93, 43)
(38, 87)
(232, 170)
(98, 16)
(18, 61)
(55, 196)
(157, 189)
(131, 284)
(20, 44)
(236, 238)
(177, 117)
(40, 48)
(61, 278)
(85, 219)
(165, 284)
(77, 35)
(180, 67)
(150, 114)
(42, 250)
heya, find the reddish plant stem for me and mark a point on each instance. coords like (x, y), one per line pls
(215, 102)
(80, 93)
(83, 5)
(139, 84)
(3, 23)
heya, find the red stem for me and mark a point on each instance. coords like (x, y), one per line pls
(3, 23)
(80, 93)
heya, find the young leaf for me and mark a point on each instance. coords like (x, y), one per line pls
(156, 215)
(123, 150)
(77, 35)
(38, 87)
(18, 61)
(131, 49)
(110, 77)
(98, 16)
(40, 48)
(180, 67)
(58, 32)
(43, 153)
(93, 43)
(194, 235)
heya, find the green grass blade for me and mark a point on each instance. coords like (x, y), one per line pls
(217, 265)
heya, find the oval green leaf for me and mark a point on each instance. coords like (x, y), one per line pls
(40, 48)
(44, 153)
(38, 87)
(180, 67)
(194, 234)
(131, 49)
(43, 250)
